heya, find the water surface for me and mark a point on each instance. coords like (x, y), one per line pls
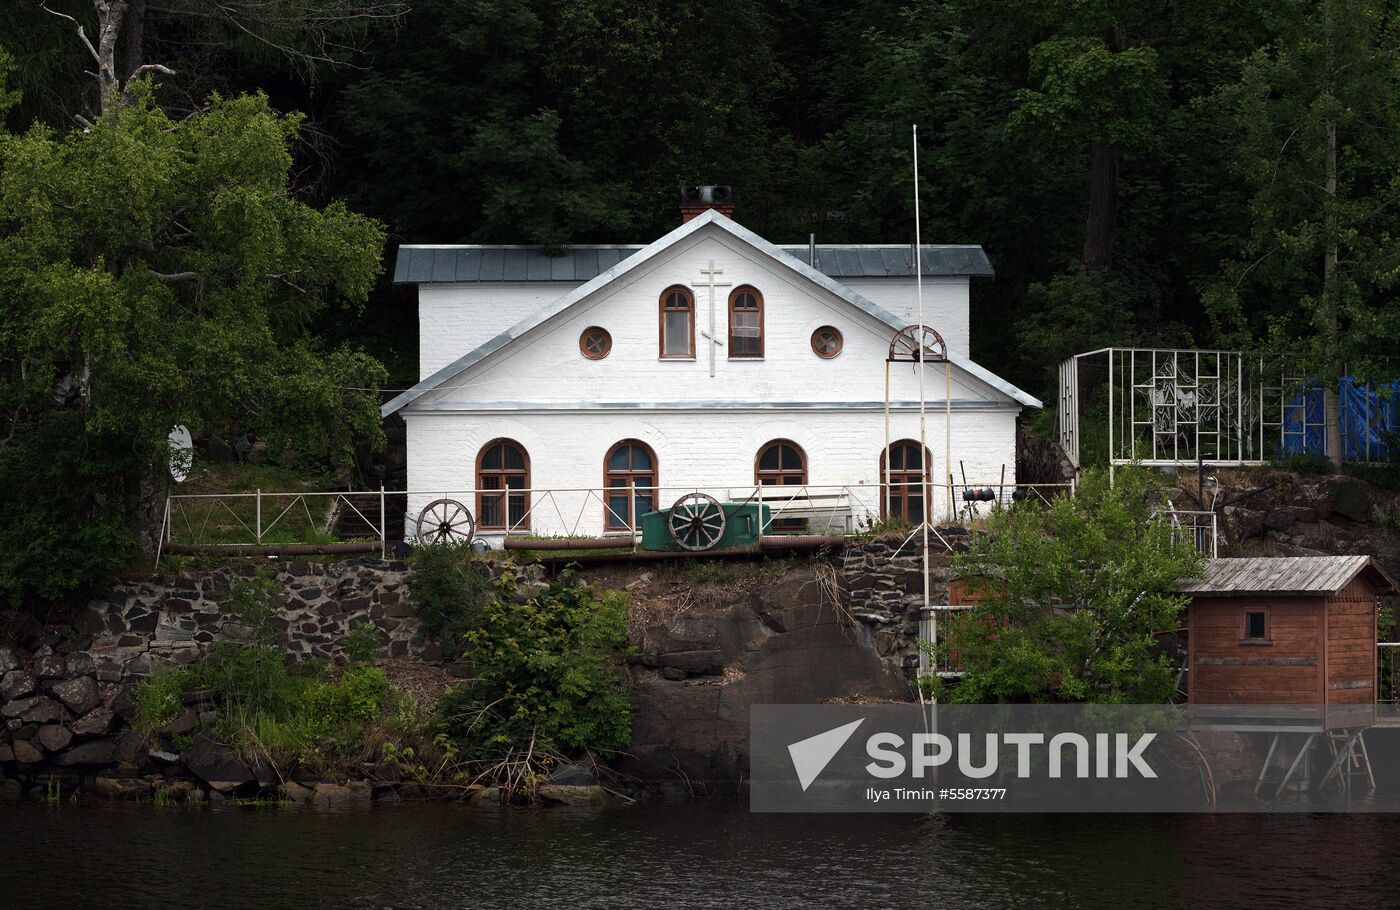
(705, 854)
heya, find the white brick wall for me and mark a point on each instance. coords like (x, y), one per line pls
(713, 451)
(547, 366)
(454, 319)
(945, 304)
(567, 411)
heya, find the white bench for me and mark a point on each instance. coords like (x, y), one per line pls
(823, 510)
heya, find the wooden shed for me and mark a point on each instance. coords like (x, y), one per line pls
(1295, 630)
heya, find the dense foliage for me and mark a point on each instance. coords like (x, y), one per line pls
(160, 271)
(547, 667)
(1138, 171)
(1074, 597)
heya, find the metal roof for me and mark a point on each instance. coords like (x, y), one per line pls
(432, 264)
(1297, 575)
(720, 222)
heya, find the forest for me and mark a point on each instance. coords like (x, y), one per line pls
(1139, 172)
(1207, 173)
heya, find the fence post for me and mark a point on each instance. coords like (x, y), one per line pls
(383, 525)
(631, 507)
(258, 519)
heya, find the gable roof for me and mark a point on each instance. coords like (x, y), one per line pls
(644, 255)
(469, 263)
(1288, 575)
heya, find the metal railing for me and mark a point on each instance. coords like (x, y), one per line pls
(239, 520)
(1200, 528)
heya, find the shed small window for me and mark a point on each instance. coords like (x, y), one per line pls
(677, 324)
(1256, 625)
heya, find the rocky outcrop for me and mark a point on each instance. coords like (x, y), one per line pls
(814, 632)
(1276, 513)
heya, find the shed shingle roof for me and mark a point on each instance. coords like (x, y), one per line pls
(1298, 575)
(427, 264)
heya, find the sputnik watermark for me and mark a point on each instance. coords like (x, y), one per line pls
(1048, 758)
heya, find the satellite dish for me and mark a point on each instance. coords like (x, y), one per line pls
(181, 453)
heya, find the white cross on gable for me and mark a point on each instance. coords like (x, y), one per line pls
(711, 281)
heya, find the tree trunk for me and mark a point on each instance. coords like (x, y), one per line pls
(1331, 329)
(109, 25)
(135, 38)
(1331, 403)
(1102, 216)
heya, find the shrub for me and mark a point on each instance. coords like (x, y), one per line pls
(448, 585)
(549, 675)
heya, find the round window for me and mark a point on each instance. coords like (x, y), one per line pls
(595, 343)
(826, 341)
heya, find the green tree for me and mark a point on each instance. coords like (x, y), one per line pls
(1074, 595)
(1314, 133)
(159, 272)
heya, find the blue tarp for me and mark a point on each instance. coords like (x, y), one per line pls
(1370, 418)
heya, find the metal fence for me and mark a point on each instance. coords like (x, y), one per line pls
(240, 520)
(1176, 406)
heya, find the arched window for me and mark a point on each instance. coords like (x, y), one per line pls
(677, 323)
(502, 465)
(908, 479)
(745, 323)
(781, 463)
(630, 465)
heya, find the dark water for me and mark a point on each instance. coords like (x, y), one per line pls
(683, 855)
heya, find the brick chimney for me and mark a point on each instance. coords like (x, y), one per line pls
(696, 199)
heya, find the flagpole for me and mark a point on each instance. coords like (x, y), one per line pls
(920, 348)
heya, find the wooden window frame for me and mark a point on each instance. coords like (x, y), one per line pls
(504, 494)
(607, 338)
(1245, 638)
(781, 524)
(655, 474)
(903, 495)
(757, 296)
(840, 342)
(661, 322)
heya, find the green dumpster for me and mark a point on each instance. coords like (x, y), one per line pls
(741, 527)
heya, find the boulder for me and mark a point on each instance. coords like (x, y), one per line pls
(329, 795)
(92, 752)
(112, 785)
(80, 694)
(296, 793)
(54, 737)
(8, 660)
(97, 722)
(573, 774)
(129, 746)
(16, 707)
(6, 753)
(217, 765)
(182, 724)
(44, 711)
(16, 684)
(51, 666)
(25, 753)
(80, 663)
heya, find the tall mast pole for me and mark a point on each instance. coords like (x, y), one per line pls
(920, 349)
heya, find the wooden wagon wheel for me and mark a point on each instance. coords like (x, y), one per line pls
(915, 343)
(696, 522)
(446, 521)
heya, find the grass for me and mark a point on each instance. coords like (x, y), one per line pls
(285, 519)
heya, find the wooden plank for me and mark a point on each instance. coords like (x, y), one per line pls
(1256, 661)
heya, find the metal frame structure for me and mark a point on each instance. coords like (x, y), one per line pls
(1174, 407)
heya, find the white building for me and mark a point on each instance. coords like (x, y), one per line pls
(567, 379)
